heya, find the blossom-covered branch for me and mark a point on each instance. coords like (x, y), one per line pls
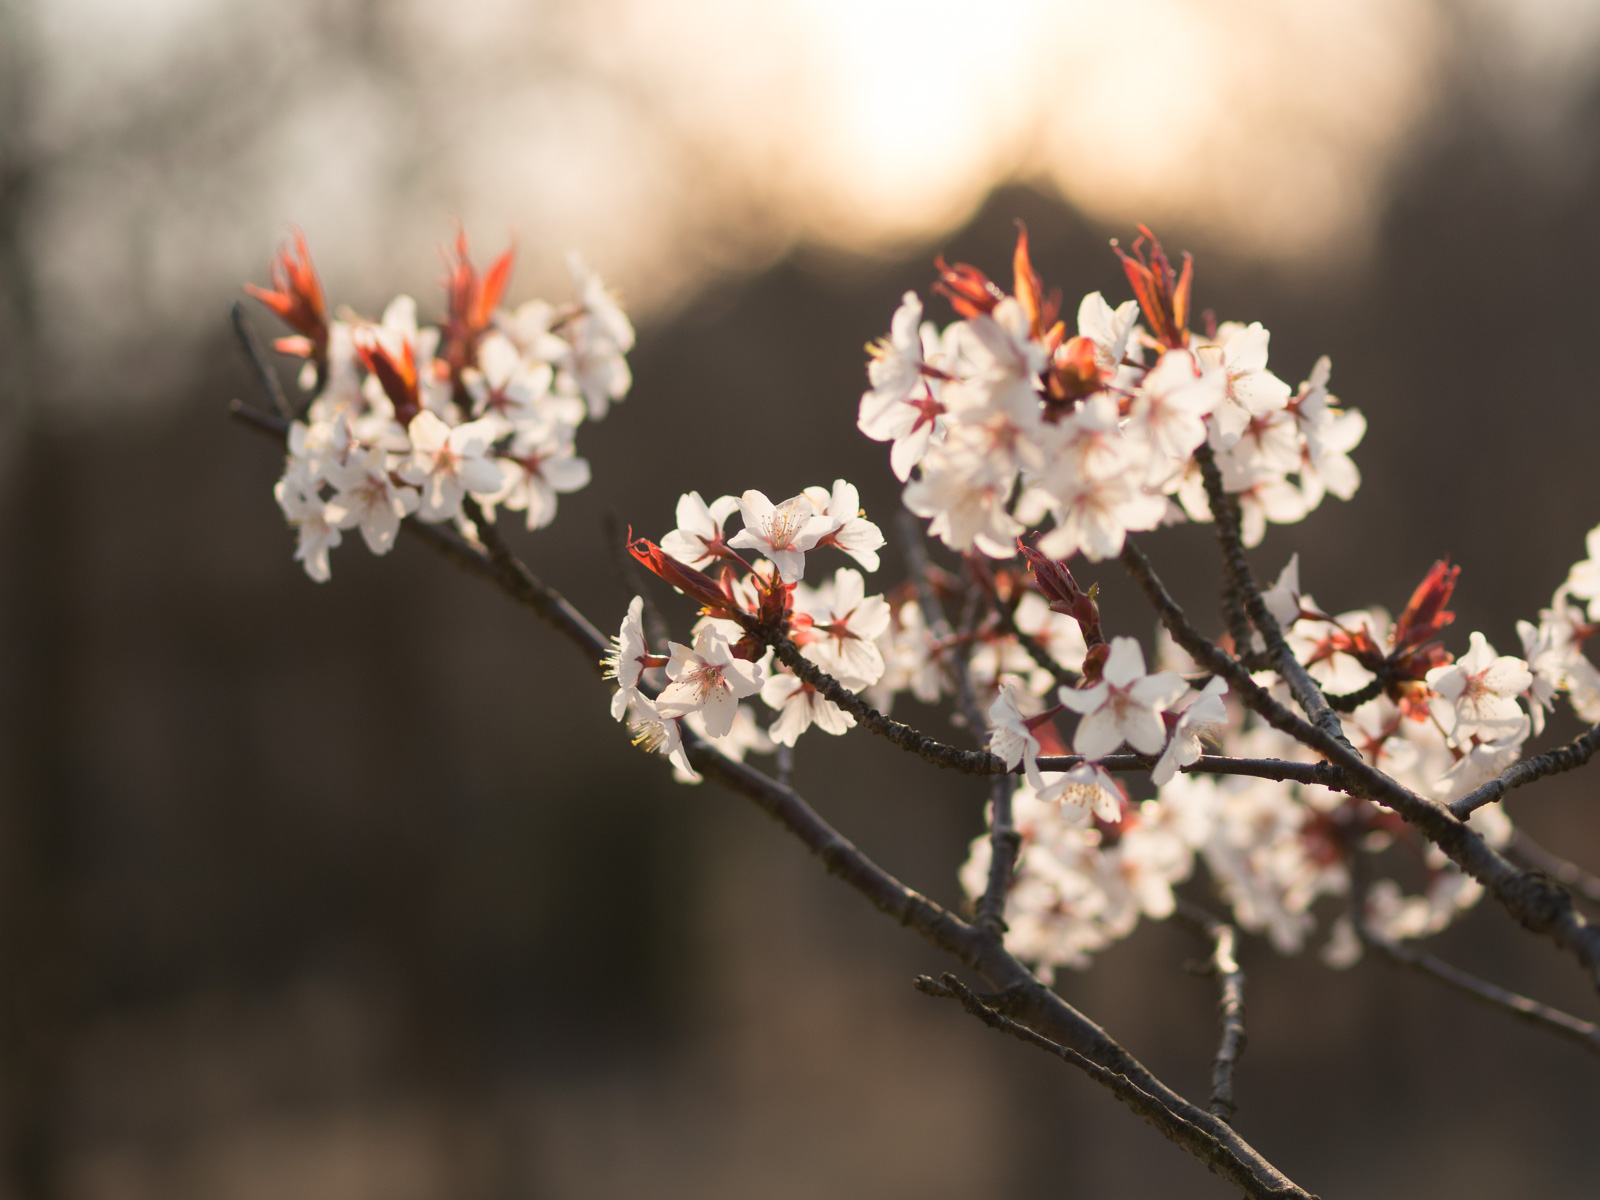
(1034, 453)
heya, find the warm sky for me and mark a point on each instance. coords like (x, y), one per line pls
(672, 141)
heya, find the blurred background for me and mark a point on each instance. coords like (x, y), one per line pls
(351, 891)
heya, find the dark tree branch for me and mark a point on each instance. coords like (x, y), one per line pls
(266, 377)
(1225, 512)
(1064, 676)
(1535, 900)
(940, 754)
(1004, 840)
(1199, 1142)
(1224, 964)
(1319, 773)
(1030, 1001)
(1350, 701)
(1530, 853)
(1553, 762)
(1542, 1016)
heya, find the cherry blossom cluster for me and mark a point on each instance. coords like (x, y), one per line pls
(835, 623)
(1001, 421)
(403, 420)
(1024, 448)
(1440, 725)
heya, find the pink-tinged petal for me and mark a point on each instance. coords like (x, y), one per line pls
(480, 476)
(743, 678)
(566, 474)
(1098, 735)
(1507, 675)
(719, 711)
(791, 564)
(1144, 731)
(1084, 700)
(1125, 663)
(694, 517)
(757, 511)
(829, 717)
(1160, 691)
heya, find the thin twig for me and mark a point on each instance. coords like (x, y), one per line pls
(1199, 1142)
(1542, 1016)
(1064, 676)
(1306, 691)
(1350, 701)
(1322, 774)
(1530, 853)
(940, 754)
(1031, 1001)
(1224, 964)
(265, 375)
(1005, 842)
(1534, 899)
(1553, 762)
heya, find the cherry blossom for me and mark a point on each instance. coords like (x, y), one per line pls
(448, 463)
(656, 733)
(1478, 693)
(599, 337)
(628, 657)
(1252, 390)
(1110, 330)
(902, 405)
(1169, 410)
(799, 706)
(841, 522)
(1206, 717)
(539, 465)
(707, 678)
(305, 510)
(698, 539)
(845, 624)
(782, 532)
(1125, 706)
(1010, 738)
(369, 498)
(508, 389)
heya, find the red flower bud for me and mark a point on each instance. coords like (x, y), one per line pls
(713, 599)
(296, 298)
(969, 289)
(1163, 296)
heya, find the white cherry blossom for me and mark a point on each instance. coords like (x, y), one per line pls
(1206, 717)
(1109, 329)
(841, 522)
(1009, 736)
(367, 497)
(599, 338)
(448, 463)
(1169, 410)
(709, 679)
(845, 623)
(627, 658)
(1125, 706)
(1478, 693)
(782, 532)
(800, 706)
(304, 509)
(699, 533)
(508, 389)
(539, 465)
(1252, 390)
(657, 733)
